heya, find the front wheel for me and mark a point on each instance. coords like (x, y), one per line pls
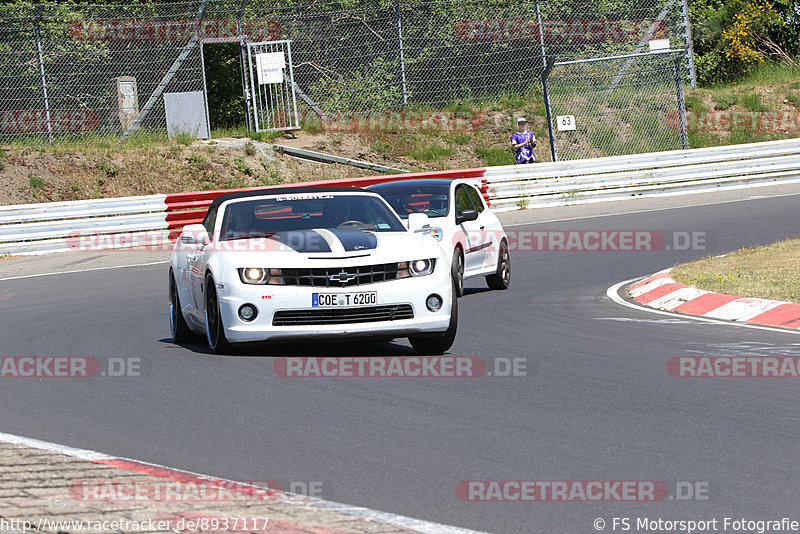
(215, 331)
(177, 324)
(502, 277)
(438, 343)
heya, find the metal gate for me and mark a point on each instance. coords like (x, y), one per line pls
(272, 88)
(611, 106)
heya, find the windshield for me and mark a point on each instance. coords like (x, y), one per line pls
(432, 200)
(267, 216)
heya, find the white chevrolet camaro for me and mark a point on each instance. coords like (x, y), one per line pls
(309, 263)
(455, 212)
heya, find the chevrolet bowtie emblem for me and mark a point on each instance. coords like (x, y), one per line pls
(342, 277)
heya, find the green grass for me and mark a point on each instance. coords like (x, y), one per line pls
(704, 139)
(462, 139)
(429, 152)
(752, 102)
(241, 131)
(266, 136)
(695, 103)
(36, 182)
(242, 167)
(198, 161)
(602, 136)
(272, 177)
(771, 73)
(384, 148)
(108, 168)
(496, 155)
(249, 149)
(725, 101)
(768, 271)
(186, 139)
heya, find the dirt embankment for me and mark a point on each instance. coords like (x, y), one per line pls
(45, 173)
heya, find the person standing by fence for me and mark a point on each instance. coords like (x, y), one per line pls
(523, 142)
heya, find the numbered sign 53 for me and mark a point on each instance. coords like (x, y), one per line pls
(565, 122)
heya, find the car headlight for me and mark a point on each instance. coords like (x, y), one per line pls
(415, 268)
(260, 276)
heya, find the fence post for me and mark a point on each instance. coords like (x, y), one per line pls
(546, 95)
(689, 47)
(541, 35)
(245, 86)
(38, 38)
(402, 52)
(681, 103)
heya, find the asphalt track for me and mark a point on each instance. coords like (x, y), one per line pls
(596, 404)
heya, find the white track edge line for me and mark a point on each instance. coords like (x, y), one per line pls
(420, 525)
(85, 270)
(613, 293)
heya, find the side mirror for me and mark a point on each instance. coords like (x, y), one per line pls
(417, 222)
(195, 234)
(466, 215)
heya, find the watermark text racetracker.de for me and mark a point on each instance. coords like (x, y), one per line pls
(589, 240)
(734, 366)
(518, 240)
(68, 367)
(190, 490)
(183, 523)
(398, 367)
(581, 490)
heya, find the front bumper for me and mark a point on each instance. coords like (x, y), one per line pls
(269, 299)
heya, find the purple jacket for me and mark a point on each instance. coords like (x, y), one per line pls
(525, 153)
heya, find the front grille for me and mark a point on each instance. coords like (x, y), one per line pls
(370, 314)
(321, 276)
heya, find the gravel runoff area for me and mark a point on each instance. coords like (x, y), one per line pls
(48, 492)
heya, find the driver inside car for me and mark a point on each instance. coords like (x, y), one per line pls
(240, 223)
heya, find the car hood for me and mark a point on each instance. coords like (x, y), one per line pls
(344, 246)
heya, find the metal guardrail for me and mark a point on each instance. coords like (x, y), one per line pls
(594, 180)
(322, 157)
(59, 226)
(156, 219)
(132, 221)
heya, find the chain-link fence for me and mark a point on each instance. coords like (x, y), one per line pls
(77, 70)
(617, 105)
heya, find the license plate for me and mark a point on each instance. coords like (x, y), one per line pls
(330, 300)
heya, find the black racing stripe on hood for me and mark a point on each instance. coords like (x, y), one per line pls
(355, 239)
(303, 240)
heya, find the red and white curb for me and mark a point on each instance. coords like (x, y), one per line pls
(661, 292)
(424, 527)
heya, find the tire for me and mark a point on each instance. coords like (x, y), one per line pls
(215, 331)
(177, 324)
(502, 277)
(438, 343)
(457, 270)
